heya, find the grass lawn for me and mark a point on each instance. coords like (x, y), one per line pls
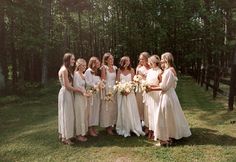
(28, 132)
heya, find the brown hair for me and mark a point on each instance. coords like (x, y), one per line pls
(79, 62)
(105, 58)
(92, 63)
(66, 63)
(123, 61)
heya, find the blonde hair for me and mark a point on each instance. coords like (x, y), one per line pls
(154, 59)
(168, 58)
(145, 55)
(79, 62)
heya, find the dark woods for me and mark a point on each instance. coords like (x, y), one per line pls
(35, 35)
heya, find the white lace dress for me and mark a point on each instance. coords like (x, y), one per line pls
(108, 112)
(94, 102)
(128, 116)
(171, 122)
(81, 108)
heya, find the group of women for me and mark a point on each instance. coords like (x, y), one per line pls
(87, 99)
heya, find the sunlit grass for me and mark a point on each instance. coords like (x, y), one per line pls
(28, 132)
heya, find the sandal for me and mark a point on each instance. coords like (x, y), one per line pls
(163, 144)
(68, 142)
(81, 139)
(91, 133)
(109, 131)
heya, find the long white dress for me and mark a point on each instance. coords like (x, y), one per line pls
(81, 108)
(143, 111)
(65, 111)
(152, 99)
(171, 122)
(128, 116)
(108, 112)
(95, 100)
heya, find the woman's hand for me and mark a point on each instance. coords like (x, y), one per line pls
(87, 94)
(149, 89)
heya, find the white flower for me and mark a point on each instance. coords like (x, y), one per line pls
(124, 88)
(137, 78)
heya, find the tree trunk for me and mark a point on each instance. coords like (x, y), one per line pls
(232, 91)
(13, 55)
(46, 27)
(80, 42)
(3, 56)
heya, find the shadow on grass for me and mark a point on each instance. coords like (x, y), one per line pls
(204, 136)
(200, 136)
(102, 140)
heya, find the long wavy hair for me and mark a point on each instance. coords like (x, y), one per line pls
(105, 58)
(92, 65)
(66, 63)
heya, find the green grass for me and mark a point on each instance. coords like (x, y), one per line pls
(28, 132)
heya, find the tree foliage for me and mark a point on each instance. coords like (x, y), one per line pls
(35, 34)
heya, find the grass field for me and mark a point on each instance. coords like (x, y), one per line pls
(28, 132)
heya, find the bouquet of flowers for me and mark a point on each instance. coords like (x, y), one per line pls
(144, 86)
(137, 78)
(109, 97)
(140, 84)
(91, 89)
(124, 88)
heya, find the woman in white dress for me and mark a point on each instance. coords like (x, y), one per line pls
(171, 122)
(93, 82)
(152, 98)
(108, 112)
(142, 70)
(128, 116)
(66, 100)
(81, 108)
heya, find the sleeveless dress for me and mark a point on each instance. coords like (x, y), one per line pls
(152, 98)
(108, 112)
(143, 111)
(128, 116)
(171, 122)
(81, 108)
(95, 100)
(65, 111)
